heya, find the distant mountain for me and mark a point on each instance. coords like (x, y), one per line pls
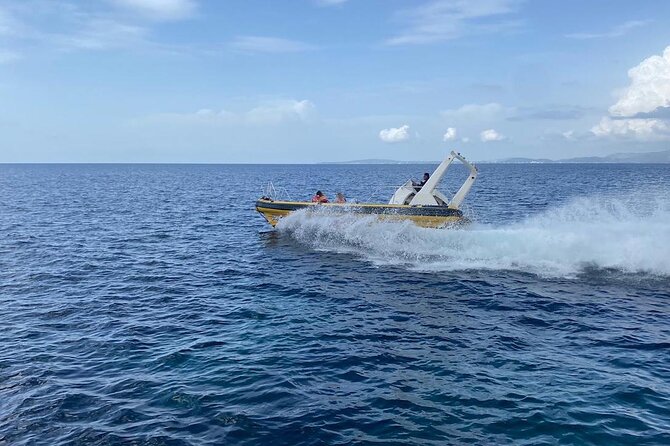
(379, 161)
(647, 157)
(525, 160)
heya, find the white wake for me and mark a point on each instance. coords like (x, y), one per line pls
(630, 234)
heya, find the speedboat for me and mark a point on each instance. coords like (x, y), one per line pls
(423, 205)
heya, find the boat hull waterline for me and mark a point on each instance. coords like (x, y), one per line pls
(424, 216)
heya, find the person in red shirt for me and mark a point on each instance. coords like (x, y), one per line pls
(319, 197)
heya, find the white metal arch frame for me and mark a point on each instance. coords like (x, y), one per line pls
(428, 195)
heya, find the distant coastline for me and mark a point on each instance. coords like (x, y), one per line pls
(662, 157)
(377, 161)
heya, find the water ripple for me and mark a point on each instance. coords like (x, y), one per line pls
(149, 305)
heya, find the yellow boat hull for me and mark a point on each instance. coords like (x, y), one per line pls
(424, 216)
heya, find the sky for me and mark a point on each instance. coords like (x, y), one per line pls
(302, 81)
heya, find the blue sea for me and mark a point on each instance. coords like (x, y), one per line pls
(151, 305)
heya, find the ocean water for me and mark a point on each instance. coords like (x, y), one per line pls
(151, 305)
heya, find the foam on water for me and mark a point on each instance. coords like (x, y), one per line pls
(630, 234)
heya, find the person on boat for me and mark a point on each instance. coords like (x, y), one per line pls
(339, 198)
(418, 186)
(319, 197)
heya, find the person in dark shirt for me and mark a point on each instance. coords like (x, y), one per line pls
(418, 186)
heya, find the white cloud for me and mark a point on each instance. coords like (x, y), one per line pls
(472, 117)
(549, 112)
(102, 35)
(330, 2)
(465, 139)
(617, 31)
(392, 134)
(638, 114)
(276, 112)
(440, 20)
(649, 88)
(476, 112)
(450, 134)
(639, 129)
(271, 113)
(258, 44)
(8, 57)
(569, 135)
(33, 25)
(8, 24)
(160, 9)
(490, 135)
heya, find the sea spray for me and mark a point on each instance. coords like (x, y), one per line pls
(630, 234)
